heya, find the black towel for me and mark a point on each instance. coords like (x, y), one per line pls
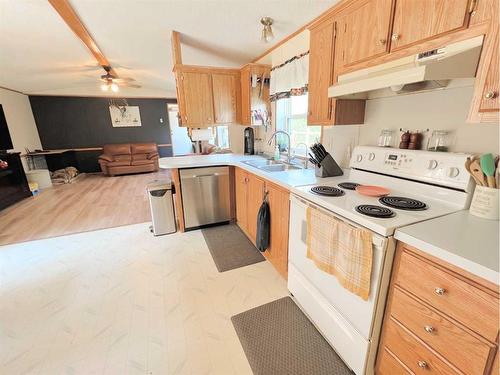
(263, 227)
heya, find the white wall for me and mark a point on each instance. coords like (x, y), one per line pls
(20, 121)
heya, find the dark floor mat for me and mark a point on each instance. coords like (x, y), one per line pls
(230, 248)
(279, 339)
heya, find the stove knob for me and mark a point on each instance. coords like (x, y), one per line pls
(453, 172)
(359, 158)
(371, 156)
(432, 164)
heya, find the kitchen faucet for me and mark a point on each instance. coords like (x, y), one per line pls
(307, 149)
(289, 159)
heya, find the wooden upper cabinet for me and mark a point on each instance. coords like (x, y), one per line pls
(320, 74)
(490, 95)
(255, 99)
(419, 20)
(224, 96)
(197, 99)
(364, 29)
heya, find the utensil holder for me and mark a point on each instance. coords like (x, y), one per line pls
(485, 203)
(329, 168)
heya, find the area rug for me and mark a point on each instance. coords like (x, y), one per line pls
(279, 339)
(230, 248)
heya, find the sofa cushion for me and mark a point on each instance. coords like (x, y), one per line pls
(118, 163)
(117, 149)
(127, 158)
(139, 156)
(142, 162)
(143, 148)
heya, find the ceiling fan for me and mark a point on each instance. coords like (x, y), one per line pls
(113, 83)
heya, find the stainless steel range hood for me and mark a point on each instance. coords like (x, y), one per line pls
(425, 71)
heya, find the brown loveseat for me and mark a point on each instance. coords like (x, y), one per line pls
(129, 158)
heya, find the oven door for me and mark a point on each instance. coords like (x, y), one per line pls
(345, 319)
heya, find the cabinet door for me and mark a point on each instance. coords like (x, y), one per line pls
(245, 96)
(279, 204)
(224, 94)
(364, 30)
(197, 99)
(320, 74)
(417, 20)
(489, 99)
(241, 178)
(255, 193)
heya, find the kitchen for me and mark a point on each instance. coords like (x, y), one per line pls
(408, 109)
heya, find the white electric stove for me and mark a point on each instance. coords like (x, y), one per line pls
(423, 185)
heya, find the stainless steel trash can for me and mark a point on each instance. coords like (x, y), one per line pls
(162, 207)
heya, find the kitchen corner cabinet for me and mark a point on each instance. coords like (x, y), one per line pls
(250, 190)
(206, 96)
(443, 323)
(321, 109)
(418, 20)
(254, 99)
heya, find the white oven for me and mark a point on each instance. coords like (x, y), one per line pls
(350, 324)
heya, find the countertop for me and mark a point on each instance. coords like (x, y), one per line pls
(461, 239)
(285, 179)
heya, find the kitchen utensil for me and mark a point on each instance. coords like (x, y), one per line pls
(467, 168)
(372, 190)
(477, 172)
(488, 167)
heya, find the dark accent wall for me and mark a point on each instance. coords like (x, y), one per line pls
(79, 122)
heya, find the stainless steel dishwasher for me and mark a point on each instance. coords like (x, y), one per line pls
(205, 196)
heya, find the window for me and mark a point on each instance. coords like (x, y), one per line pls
(291, 116)
(220, 136)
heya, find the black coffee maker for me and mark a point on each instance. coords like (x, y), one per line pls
(249, 141)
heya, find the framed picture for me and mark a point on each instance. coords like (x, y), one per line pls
(125, 116)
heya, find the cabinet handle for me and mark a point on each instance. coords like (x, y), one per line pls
(422, 364)
(395, 36)
(490, 95)
(429, 329)
(439, 291)
(382, 41)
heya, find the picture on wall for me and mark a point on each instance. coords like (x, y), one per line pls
(125, 116)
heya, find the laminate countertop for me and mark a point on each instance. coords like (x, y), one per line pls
(461, 239)
(285, 179)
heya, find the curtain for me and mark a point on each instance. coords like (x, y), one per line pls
(290, 78)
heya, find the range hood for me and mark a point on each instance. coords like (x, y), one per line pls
(425, 71)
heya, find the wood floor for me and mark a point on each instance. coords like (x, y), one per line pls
(93, 202)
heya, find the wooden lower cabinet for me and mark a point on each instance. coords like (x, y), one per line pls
(438, 320)
(250, 190)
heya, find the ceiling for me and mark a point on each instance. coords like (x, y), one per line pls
(40, 55)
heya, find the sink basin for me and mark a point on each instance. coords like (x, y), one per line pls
(258, 163)
(279, 167)
(271, 165)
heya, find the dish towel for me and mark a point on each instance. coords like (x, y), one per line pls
(341, 250)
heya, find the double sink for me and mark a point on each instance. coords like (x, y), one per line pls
(267, 165)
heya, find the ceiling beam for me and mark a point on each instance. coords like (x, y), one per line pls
(68, 14)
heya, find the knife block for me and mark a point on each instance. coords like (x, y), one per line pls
(329, 168)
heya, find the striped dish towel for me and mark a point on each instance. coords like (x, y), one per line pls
(341, 250)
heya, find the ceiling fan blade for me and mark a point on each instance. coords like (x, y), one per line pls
(131, 85)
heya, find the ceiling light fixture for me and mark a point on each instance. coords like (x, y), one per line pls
(267, 31)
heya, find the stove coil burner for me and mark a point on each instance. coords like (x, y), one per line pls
(349, 185)
(375, 211)
(328, 191)
(403, 203)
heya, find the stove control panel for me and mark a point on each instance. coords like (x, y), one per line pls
(441, 168)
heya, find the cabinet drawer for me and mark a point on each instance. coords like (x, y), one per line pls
(412, 353)
(439, 333)
(389, 365)
(449, 294)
